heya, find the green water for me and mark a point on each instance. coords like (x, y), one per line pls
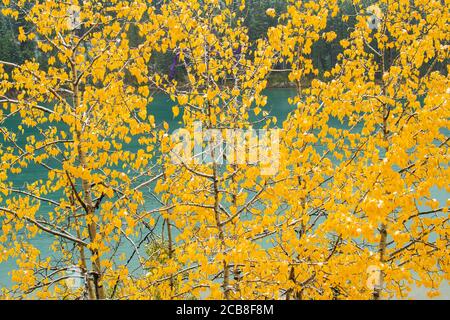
(277, 106)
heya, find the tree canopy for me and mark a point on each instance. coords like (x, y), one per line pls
(347, 212)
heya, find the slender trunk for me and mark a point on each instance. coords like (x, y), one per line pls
(170, 247)
(382, 250)
(236, 271)
(92, 229)
(226, 268)
(292, 279)
(89, 284)
(383, 228)
(87, 196)
(383, 233)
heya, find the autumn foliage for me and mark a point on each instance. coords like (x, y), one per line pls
(348, 214)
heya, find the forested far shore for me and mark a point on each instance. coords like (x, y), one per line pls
(324, 54)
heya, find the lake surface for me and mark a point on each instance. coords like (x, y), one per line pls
(277, 105)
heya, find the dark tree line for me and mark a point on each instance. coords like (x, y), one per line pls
(324, 54)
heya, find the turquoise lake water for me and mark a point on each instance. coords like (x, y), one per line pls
(277, 105)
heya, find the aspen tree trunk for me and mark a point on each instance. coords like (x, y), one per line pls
(170, 243)
(87, 194)
(170, 248)
(383, 228)
(236, 271)
(292, 279)
(226, 269)
(89, 284)
(86, 188)
(382, 250)
(92, 226)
